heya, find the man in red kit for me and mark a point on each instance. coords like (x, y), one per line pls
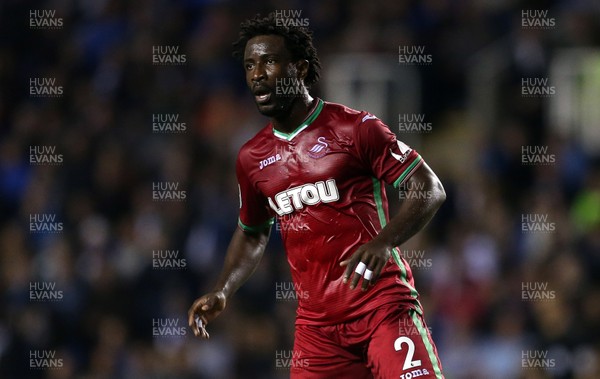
(323, 165)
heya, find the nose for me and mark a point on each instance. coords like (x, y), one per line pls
(258, 73)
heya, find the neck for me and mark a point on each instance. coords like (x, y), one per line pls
(298, 113)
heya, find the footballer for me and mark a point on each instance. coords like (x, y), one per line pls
(324, 166)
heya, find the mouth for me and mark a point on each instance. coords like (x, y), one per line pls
(262, 99)
(262, 95)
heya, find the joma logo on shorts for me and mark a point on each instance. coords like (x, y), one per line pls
(310, 194)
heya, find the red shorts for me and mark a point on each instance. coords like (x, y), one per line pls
(390, 342)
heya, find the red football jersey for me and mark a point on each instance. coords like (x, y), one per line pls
(324, 183)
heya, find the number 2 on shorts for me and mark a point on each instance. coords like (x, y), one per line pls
(408, 362)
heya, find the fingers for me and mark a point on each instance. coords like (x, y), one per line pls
(350, 266)
(377, 270)
(196, 320)
(196, 306)
(355, 269)
(201, 328)
(372, 272)
(191, 313)
(192, 316)
(358, 274)
(362, 266)
(366, 276)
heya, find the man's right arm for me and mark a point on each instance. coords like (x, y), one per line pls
(243, 256)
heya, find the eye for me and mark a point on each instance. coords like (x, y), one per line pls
(271, 61)
(249, 66)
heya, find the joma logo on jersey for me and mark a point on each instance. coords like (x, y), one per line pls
(310, 194)
(269, 161)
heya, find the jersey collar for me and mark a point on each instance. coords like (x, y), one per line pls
(311, 117)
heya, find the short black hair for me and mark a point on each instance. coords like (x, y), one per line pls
(298, 41)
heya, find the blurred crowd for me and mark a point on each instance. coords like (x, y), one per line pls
(103, 261)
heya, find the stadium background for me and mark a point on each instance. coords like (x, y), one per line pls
(496, 290)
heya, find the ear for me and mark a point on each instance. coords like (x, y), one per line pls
(302, 68)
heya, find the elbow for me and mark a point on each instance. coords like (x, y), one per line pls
(440, 193)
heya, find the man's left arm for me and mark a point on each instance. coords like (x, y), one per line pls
(415, 212)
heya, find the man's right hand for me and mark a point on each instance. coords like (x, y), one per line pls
(206, 308)
(242, 258)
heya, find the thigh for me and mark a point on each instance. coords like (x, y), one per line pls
(318, 356)
(401, 347)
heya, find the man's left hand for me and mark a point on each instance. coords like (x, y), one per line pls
(366, 263)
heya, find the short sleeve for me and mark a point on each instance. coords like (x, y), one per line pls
(388, 158)
(254, 212)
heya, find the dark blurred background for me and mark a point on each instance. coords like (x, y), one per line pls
(97, 273)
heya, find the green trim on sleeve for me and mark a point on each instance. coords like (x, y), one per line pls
(408, 171)
(377, 195)
(378, 201)
(257, 228)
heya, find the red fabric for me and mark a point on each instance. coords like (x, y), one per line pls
(365, 348)
(339, 163)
